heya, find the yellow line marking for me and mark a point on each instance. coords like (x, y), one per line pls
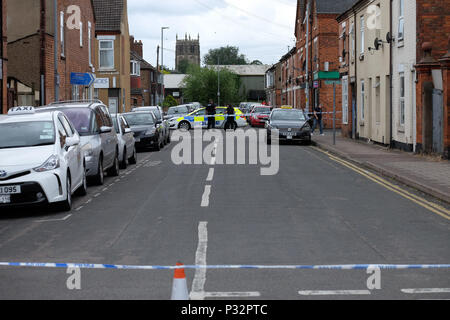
(443, 212)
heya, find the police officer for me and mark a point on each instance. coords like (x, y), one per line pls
(229, 124)
(211, 113)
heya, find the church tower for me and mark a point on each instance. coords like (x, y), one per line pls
(187, 49)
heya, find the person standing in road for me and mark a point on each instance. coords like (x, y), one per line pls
(230, 123)
(211, 113)
(318, 112)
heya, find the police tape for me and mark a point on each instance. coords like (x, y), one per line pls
(243, 115)
(256, 267)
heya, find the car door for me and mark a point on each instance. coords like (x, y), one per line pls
(111, 137)
(220, 117)
(104, 139)
(199, 119)
(75, 153)
(127, 137)
(67, 153)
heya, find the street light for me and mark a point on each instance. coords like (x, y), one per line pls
(162, 61)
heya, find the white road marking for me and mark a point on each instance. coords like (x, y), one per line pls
(97, 195)
(198, 284)
(210, 175)
(232, 294)
(213, 161)
(105, 189)
(333, 292)
(205, 198)
(55, 220)
(89, 201)
(426, 290)
(79, 208)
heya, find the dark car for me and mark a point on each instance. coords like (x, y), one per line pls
(291, 124)
(146, 128)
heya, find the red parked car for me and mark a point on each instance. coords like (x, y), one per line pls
(259, 114)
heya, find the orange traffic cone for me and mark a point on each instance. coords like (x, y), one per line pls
(179, 288)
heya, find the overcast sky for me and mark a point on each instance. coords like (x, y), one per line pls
(262, 29)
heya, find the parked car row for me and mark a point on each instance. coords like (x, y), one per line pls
(49, 153)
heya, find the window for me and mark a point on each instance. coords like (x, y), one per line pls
(352, 35)
(402, 98)
(61, 32)
(66, 125)
(362, 99)
(345, 100)
(89, 43)
(106, 54)
(135, 68)
(81, 34)
(401, 20)
(362, 35)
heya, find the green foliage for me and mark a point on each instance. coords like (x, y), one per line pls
(256, 62)
(183, 66)
(225, 56)
(169, 101)
(201, 85)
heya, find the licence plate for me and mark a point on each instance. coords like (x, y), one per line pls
(7, 190)
(5, 199)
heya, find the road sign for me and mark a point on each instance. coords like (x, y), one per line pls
(331, 82)
(82, 79)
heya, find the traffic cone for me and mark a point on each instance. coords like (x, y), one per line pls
(179, 288)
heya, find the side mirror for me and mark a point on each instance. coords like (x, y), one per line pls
(72, 141)
(105, 129)
(127, 130)
(158, 122)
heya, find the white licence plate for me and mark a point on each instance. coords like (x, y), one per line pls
(7, 190)
(5, 199)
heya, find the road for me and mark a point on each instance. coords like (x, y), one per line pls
(317, 210)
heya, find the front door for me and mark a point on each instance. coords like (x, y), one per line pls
(113, 104)
(438, 123)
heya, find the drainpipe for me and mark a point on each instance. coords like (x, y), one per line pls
(42, 54)
(1, 57)
(356, 86)
(55, 14)
(391, 144)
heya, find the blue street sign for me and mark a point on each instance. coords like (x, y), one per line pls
(82, 79)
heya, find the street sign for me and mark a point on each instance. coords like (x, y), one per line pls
(331, 82)
(101, 83)
(316, 84)
(82, 79)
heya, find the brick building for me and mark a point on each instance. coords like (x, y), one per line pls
(112, 47)
(3, 60)
(289, 83)
(433, 78)
(187, 49)
(31, 40)
(145, 89)
(317, 35)
(273, 85)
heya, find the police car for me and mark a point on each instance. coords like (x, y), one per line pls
(199, 119)
(41, 161)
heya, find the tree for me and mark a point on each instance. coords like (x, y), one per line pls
(169, 101)
(225, 56)
(183, 66)
(201, 85)
(256, 62)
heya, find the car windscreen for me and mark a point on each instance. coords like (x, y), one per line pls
(288, 115)
(139, 119)
(26, 134)
(178, 110)
(81, 119)
(262, 110)
(157, 114)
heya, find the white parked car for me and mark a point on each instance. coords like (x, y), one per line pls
(127, 148)
(41, 161)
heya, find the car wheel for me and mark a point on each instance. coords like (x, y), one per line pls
(99, 178)
(66, 205)
(124, 162)
(168, 138)
(82, 190)
(133, 159)
(114, 171)
(184, 126)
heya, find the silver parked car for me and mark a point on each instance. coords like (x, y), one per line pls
(159, 114)
(127, 148)
(98, 138)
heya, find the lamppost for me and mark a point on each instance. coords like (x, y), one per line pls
(162, 62)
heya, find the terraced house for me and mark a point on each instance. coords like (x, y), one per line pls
(112, 49)
(45, 47)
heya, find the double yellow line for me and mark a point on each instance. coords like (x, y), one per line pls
(433, 207)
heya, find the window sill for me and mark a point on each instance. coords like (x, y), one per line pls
(400, 43)
(361, 123)
(401, 128)
(106, 70)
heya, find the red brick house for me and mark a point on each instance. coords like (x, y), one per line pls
(31, 35)
(318, 55)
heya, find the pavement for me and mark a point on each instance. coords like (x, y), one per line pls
(316, 210)
(427, 174)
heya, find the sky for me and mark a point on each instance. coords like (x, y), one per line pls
(262, 29)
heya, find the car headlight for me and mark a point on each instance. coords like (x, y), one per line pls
(52, 163)
(150, 132)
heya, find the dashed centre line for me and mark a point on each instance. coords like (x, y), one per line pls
(205, 197)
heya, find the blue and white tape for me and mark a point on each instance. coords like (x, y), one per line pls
(256, 267)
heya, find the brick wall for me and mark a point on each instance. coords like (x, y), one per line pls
(146, 89)
(4, 102)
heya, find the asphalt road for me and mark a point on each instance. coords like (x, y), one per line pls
(315, 211)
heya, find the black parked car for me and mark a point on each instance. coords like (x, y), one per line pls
(147, 129)
(292, 125)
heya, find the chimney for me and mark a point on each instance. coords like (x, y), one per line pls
(137, 46)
